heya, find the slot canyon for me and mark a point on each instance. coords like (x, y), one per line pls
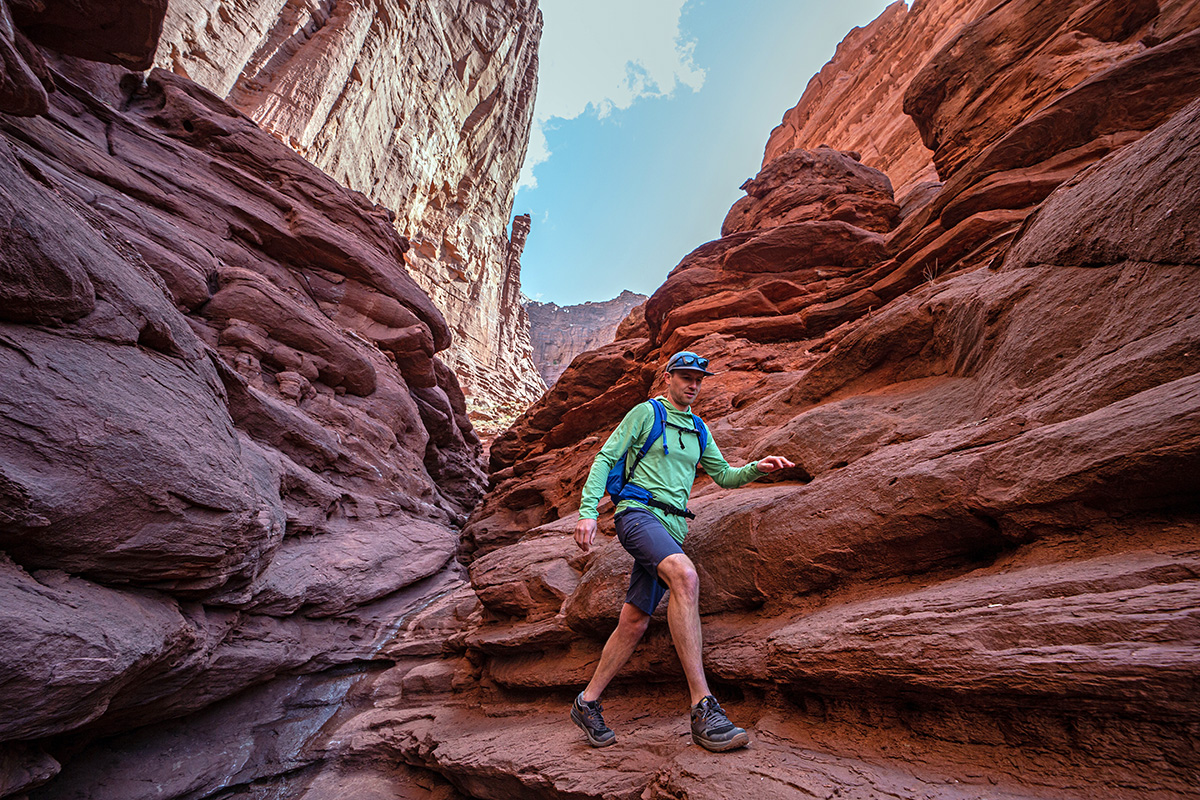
(289, 467)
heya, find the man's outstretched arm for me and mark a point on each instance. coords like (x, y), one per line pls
(727, 477)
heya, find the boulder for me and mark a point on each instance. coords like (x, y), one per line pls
(73, 645)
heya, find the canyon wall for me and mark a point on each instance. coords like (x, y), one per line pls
(857, 101)
(423, 107)
(233, 466)
(559, 333)
(992, 395)
(230, 458)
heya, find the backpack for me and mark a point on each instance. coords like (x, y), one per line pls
(620, 485)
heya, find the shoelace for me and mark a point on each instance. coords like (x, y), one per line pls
(713, 715)
(592, 712)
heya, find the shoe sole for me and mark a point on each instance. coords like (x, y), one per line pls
(739, 740)
(593, 741)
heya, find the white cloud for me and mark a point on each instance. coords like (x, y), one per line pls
(600, 57)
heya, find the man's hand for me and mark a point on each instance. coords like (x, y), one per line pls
(768, 464)
(585, 534)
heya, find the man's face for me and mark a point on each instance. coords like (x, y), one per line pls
(683, 386)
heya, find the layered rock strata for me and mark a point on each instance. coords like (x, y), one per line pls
(991, 397)
(979, 581)
(1010, 60)
(855, 103)
(559, 333)
(494, 406)
(230, 453)
(423, 107)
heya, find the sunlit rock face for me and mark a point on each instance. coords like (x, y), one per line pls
(423, 107)
(1008, 61)
(855, 103)
(559, 333)
(493, 406)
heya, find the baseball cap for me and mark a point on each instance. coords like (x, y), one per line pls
(686, 359)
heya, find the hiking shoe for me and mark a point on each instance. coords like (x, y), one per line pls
(712, 730)
(587, 716)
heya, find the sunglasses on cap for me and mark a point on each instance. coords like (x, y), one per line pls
(687, 360)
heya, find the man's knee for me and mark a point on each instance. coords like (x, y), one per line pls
(680, 575)
(633, 620)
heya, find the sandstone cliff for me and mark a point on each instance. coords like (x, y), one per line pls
(999, 74)
(980, 580)
(423, 107)
(559, 333)
(855, 103)
(993, 400)
(231, 459)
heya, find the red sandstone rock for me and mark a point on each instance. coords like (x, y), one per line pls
(995, 471)
(979, 580)
(1039, 49)
(212, 749)
(23, 767)
(822, 184)
(531, 586)
(855, 102)
(786, 248)
(1111, 107)
(1071, 229)
(22, 71)
(115, 33)
(135, 504)
(73, 645)
(197, 504)
(45, 279)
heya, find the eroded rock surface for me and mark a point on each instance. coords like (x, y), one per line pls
(954, 75)
(423, 107)
(855, 103)
(991, 398)
(230, 451)
(981, 579)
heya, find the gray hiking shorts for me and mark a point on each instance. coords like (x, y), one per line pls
(648, 541)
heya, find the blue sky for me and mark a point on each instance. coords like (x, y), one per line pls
(650, 114)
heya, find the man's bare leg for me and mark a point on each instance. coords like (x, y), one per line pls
(617, 650)
(683, 616)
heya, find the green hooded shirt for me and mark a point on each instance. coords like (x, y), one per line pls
(668, 476)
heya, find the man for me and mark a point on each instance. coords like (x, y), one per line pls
(652, 533)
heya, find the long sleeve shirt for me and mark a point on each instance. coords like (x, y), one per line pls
(667, 476)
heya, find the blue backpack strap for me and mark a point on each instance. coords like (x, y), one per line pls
(619, 483)
(701, 432)
(656, 429)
